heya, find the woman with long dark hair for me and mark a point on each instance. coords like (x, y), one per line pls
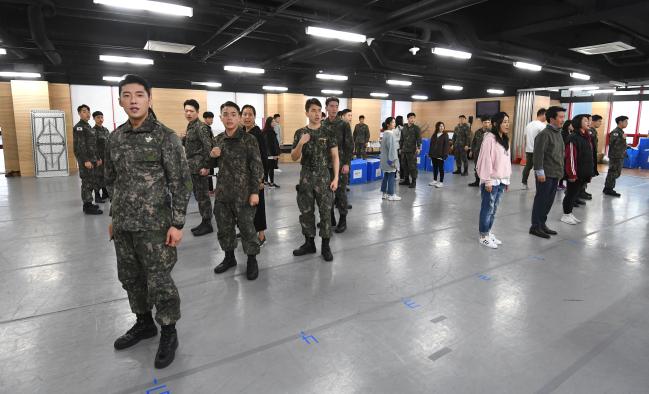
(494, 170)
(389, 161)
(579, 166)
(248, 114)
(566, 130)
(273, 152)
(439, 148)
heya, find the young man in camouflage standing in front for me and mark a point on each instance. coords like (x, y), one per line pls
(149, 184)
(410, 146)
(616, 152)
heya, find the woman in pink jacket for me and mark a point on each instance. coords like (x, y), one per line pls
(494, 169)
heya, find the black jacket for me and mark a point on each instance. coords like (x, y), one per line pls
(271, 142)
(439, 147)
(579, 157)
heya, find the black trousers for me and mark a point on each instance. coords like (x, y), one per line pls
(543, 200)
(573, 190)
(260, 214)
(438, 167)
(269, 170)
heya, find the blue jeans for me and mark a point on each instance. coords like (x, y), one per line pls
(387, 186)
(489, 206)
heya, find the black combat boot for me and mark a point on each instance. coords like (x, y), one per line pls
(98, 198)
(228, 262)
(404, 182)
(204, 228)
(611, 192)
(325, 251)
(91, 209)
(168, 345)
(144, 328)
(342, 224)
(413, 184)
(104, 193)
(307, 248)
(458, 171)
(476, 183)
(252, 270)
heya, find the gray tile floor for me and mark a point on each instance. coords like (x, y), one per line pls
(411, 303)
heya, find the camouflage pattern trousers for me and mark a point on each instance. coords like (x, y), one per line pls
(88, 182)
(230, 215)
(410, 165)
(361, 150)
(340, 200)
(614, 172)
(144, 265)
(201, 193)
(314, 189)
(100, 182)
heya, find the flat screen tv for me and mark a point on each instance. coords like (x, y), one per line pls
(488, 108)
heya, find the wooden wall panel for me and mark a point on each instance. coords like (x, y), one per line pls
(10, 145)
(601, 108)
(291, 109)
(271, 105)
(371, 108)
(60, 99)
(27, 96)
(168, 106)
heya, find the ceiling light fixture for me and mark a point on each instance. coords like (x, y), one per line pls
(275, 88)
(603, 91)
(3, 51)
(151, 6)
(581, 76)
(209, 84)
(16, 74)
(124, 59)
(240, 69)
(581, 88)
(332, 77)
(377, 94)
(331, 91)
(398, 82)
(451, 53)
(414, 50)
(626, 93)
(419, 97)
(337, 34)
(456, 88)
(170, 47)
(112, 79)
(528, 66)
(495, 91)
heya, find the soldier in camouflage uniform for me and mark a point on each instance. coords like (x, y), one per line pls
(102, 133)
(85, 150)
(410, 146)
(198, 144)
(149, 184)
(345, 142)
(616, 153)
(237, 190)
(361, 137)
(461, 140)
(476, 142)
(315, 146)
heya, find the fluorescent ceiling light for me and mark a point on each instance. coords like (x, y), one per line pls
(124, 59)
(3, 51)
(451, 53)
(626, 93)
(332, 77)
(331, 91)
(16, 74)
(171, 47)
(148, 5)
(528, 66)
(112, 79)
(495, 91)
(599, 49)
(398, 82)
(330, 33)
(375, 94)
(580, 88)
(603, 91)
(584, 77)
(275, 88)
(239, 69)
(452, 87)
(419, 97)
(208, 84)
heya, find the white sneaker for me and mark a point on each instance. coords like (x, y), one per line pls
(568, 219)
(524, 186)
(488, 242)
(574, 218)
(439, 184)
(394, 197)
(494, 239)
(385, 196)
(433, 183)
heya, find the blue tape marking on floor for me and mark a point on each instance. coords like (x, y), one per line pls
(439, 354)
(438, 319)
(537, 258)
(308, 338)
(573, 241)
(156, 390)
(410, 303)
(484, 277)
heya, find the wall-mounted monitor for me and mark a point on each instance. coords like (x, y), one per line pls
(488, 108)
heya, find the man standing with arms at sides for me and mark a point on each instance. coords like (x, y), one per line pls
(345, 142)
(85, 150)
(361, 137)
(149, 184)
(278, 128)
(461, 136)
(531, 131)
(236, 194)
(197, 150)
(595, 123)
(476, 142)
(208, 118)
(315, 147)
(616, 153)
(102, 134)
(410, 145)
(549, 156)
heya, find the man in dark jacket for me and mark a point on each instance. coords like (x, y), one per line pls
(476, 142)
(616, 153)
(579, 167)
(361, 137)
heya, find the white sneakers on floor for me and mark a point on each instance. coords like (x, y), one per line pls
(384, 196)
(433, 183)
(488, 242)
(394, 197)
(439, 184)
(569, 218)
(494, 239)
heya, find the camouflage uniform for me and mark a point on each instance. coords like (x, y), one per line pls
(315, 179)
(344, 140)
(476, 143)
(102, 134)
(149, 184)
(409, 143)
(616, 153)
(361, 138)
(198, 143)
(461, 137)
(85, 149)
(240, 175)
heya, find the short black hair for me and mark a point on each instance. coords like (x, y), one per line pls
(361, 117)
(330, 99)
(82, 106)
(462, 116)
(97, 113)
(411, 114)
(552, 112)
(193, 103)
(595, 118)
(276, 116)
(485, 118)
(576, 121)
(254, 111)
(621, 119)
(312, 101)
(230, 104)
(540, 112)
(132, 78)
(208, 114)
(345, 111)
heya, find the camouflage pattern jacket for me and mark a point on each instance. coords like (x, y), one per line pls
(84, 142)
(410, 138)
(344, 139)
(198, 144)
(102, 134)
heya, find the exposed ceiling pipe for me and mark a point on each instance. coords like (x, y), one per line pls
(7, 41)
(35, 15)
(221, 30)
